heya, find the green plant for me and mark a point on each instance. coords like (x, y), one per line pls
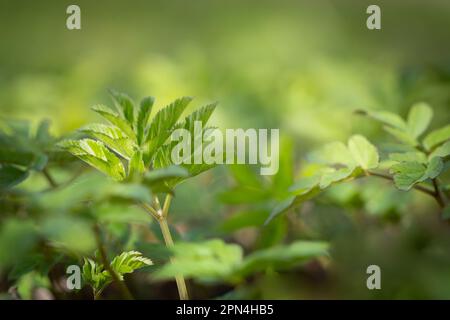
(413, 163)
(134, 150)
(98, 276)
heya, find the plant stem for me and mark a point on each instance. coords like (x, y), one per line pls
(432, 193)
(123, 287)
(181, 284)
(49, 178)
(160, 214)
(440, 198)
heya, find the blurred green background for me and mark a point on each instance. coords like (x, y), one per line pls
(300, 66)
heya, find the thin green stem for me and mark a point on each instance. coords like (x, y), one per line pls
(181, 283)
(160, 214)
(49, 178)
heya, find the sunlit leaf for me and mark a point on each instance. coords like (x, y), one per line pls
(363, 152)
(419, 118)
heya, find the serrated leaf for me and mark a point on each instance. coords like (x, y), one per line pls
(127, 262)
(125, 104)
(363, 152)
(163, 122)
(419, 118)
(112, 136)
(437, 137)
(136, 165)
(385, 117)
(97, 155)
(145, 110)
(115, 119)
(406, 174)
(95, 275)
(202, 115)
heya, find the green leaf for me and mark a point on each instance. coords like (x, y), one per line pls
(163, 180)
(163, 122)
(437, 137)
(442, 151)
(419, 118)
(115, 119)
(363, 152)
(127, 191)
(202, 115)
(143, 116)
(95, 275)
(281, 257)
(124, 103)
(402, 136)
(97, 155)
(113, 137)
(10, 155)
(244, 219)
(11, 176)
(334, 175)
(406, 174)
(333, 153)
(136, 165)
(127, 262)
(165, 173)
(305, 184)
(385, 117)
(434, 168)
(409, 157)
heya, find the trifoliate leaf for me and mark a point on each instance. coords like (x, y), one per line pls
(363, 152)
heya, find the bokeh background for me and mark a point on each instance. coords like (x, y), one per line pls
(300, 66)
